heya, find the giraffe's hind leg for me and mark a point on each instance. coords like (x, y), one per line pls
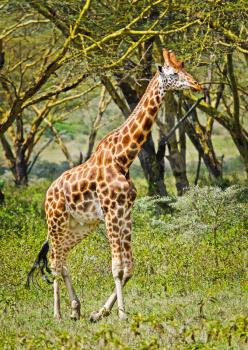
(56, 267)
(107, 307)
(68, 239)
(76, 234)
(75, 303)
(59, 269)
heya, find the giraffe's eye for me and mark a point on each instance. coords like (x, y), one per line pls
(174, 75)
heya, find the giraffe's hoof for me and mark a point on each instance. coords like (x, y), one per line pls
(123, 316)
(57, 317)
(75, 311)
(95, 316)
(98, 315)
(75, 316)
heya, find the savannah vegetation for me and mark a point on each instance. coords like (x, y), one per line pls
(70, 72)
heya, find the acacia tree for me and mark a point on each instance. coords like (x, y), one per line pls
(29, 88)
(23, 96)
(200, 31)
(153, 170)
(23, 136)
(81, 37)
(228, 103)
(116, 40)
(176, 145)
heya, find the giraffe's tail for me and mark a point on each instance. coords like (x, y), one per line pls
(40, 264)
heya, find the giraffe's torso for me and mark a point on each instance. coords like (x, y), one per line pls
(81, 196)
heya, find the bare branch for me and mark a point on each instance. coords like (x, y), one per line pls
(102, 106)
(19, 25)
(38, 154)
(55, 92)
(234, 89)
(59, 141)
(120, 102)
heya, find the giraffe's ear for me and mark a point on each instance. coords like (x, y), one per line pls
(166, 55)
(159, 68)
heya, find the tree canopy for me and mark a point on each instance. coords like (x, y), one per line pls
(52, 52)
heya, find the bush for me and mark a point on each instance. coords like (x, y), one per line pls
(203, 240)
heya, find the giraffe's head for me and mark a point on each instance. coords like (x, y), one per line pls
(173, 76)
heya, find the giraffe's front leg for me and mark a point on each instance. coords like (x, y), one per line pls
(118, 273)
(125, 272)
(107, 307)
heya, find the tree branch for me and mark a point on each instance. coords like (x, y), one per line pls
(55, 92)
(54, 65)
(165, 138)
(16, 26)
(38, 154)
(233, 83)
(115, 96)
(59, 141)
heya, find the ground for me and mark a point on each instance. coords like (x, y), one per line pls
(178, 297)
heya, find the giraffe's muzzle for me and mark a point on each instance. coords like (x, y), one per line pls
(195, 86)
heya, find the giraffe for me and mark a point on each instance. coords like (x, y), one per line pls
(101, 190)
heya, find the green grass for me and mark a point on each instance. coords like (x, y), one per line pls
(177, 299)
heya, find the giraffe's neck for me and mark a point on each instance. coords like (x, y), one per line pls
(135, 131)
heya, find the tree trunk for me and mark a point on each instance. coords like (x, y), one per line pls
(176, 156)
(153, 169)
(21, 165)
(1, 197)
(21, 168)
(240, 137)
(8, 154)
(203, 143)
(241, 141)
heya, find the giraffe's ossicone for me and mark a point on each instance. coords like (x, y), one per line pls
(101, 190)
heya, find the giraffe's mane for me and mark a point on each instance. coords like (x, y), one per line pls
(105, 137)
(142, 100)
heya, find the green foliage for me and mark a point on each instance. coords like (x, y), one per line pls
(1, 183)
(208, 227)
(209, 209)
(33, 33)
(71, 129)
(178, 297)
(23, 212)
